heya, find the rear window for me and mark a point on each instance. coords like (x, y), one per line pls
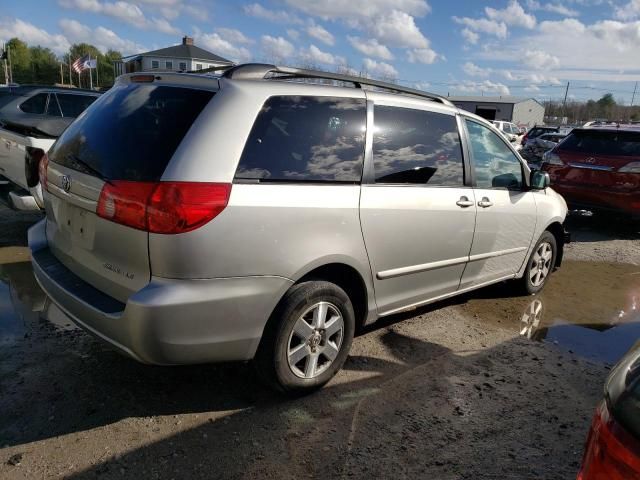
(130, 132)
(35, 104)
(537, 131)
(74, 105)
(593, 142)
(302, 138)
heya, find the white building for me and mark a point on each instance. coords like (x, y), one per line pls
(179, 58)
(524, 112)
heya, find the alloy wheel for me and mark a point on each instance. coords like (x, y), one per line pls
(315, 340)
(541, 264)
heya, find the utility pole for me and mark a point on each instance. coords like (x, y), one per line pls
(61, 77)
(90, 74)
(4, 58)
(633, 97)
(10, 69)
(564, 102)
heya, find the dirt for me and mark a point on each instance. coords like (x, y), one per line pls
(452, 391)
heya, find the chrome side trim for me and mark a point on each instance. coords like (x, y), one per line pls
(398, 272)
(497, 253)
(585, 166)
(446, 295)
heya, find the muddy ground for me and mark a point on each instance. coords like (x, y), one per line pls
(489, 385)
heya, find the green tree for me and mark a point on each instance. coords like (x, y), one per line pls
(45, 67)
(20, 60)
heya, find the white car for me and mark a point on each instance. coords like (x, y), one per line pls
(509, 130)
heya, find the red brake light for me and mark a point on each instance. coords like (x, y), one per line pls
(611, 452)
(162, 207)
(43, 166)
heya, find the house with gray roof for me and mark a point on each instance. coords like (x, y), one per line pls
(178, 58)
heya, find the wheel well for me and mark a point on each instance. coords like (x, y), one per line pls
(557, 230)
(349, 280)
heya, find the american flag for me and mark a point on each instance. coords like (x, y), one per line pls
(83, 63)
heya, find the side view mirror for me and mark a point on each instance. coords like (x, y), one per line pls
(539, 180)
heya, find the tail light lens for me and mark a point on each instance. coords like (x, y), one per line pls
(162, 207)
(43, 166)
(611, 452)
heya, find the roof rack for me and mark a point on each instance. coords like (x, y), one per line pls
(259, 71)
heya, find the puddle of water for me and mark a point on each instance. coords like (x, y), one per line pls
(589, 308)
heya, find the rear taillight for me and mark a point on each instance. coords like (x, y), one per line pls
(43, 166)
(611, 452)
(162, 207)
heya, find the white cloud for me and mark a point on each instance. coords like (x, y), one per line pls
(483, 25)
(513, 15)
(314, 55)
(103, 38)
(320, 33)
(558, 8)
(278, 16)
(470, 36)
(628, 11)
(370, 47)
(32, 35)
(124, 11)
(234, 36)
(398, 29)
(538, 59)
(486, 86)
(293, 34)
(605, 48)
(277, 47)
(422, 55)
(215, 43)
(359, 9)
(473, 70)
(379, 69)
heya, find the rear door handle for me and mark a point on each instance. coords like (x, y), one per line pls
(464, 202)
(485, 202)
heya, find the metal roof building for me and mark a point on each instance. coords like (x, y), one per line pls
(521, 111)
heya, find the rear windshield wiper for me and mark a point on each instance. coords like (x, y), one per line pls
(85, 167)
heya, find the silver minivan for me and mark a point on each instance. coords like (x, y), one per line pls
(267, 213)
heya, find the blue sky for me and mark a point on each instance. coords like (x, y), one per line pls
(517, 47)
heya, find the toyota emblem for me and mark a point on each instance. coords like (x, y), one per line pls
(66, 183)
(590, 160)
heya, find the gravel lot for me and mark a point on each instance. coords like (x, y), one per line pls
(450, 391)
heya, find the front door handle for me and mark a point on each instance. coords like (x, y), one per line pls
(485, 202)
(464, 202)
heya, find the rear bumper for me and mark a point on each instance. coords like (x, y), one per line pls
(170, 321)
(591, 198)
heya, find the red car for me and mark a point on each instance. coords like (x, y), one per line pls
(613, 446)
(598, 169)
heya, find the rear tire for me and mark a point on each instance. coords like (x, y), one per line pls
(307, 339)
(540, 264)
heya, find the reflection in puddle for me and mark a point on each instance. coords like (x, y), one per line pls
(592, 309)
(22, 301)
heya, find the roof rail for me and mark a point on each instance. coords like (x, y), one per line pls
(259, 71)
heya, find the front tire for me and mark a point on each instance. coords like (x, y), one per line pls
(307, 339)
(541, 263)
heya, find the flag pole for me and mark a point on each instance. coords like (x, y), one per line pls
(90, 74)
(97, 82)
(70, 78)
(61, 75)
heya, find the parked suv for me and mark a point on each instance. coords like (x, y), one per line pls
(598, 169)
(536, 131)
(257, 216)
(31, 118)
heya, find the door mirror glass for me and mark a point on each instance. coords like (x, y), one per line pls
(540, 180)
